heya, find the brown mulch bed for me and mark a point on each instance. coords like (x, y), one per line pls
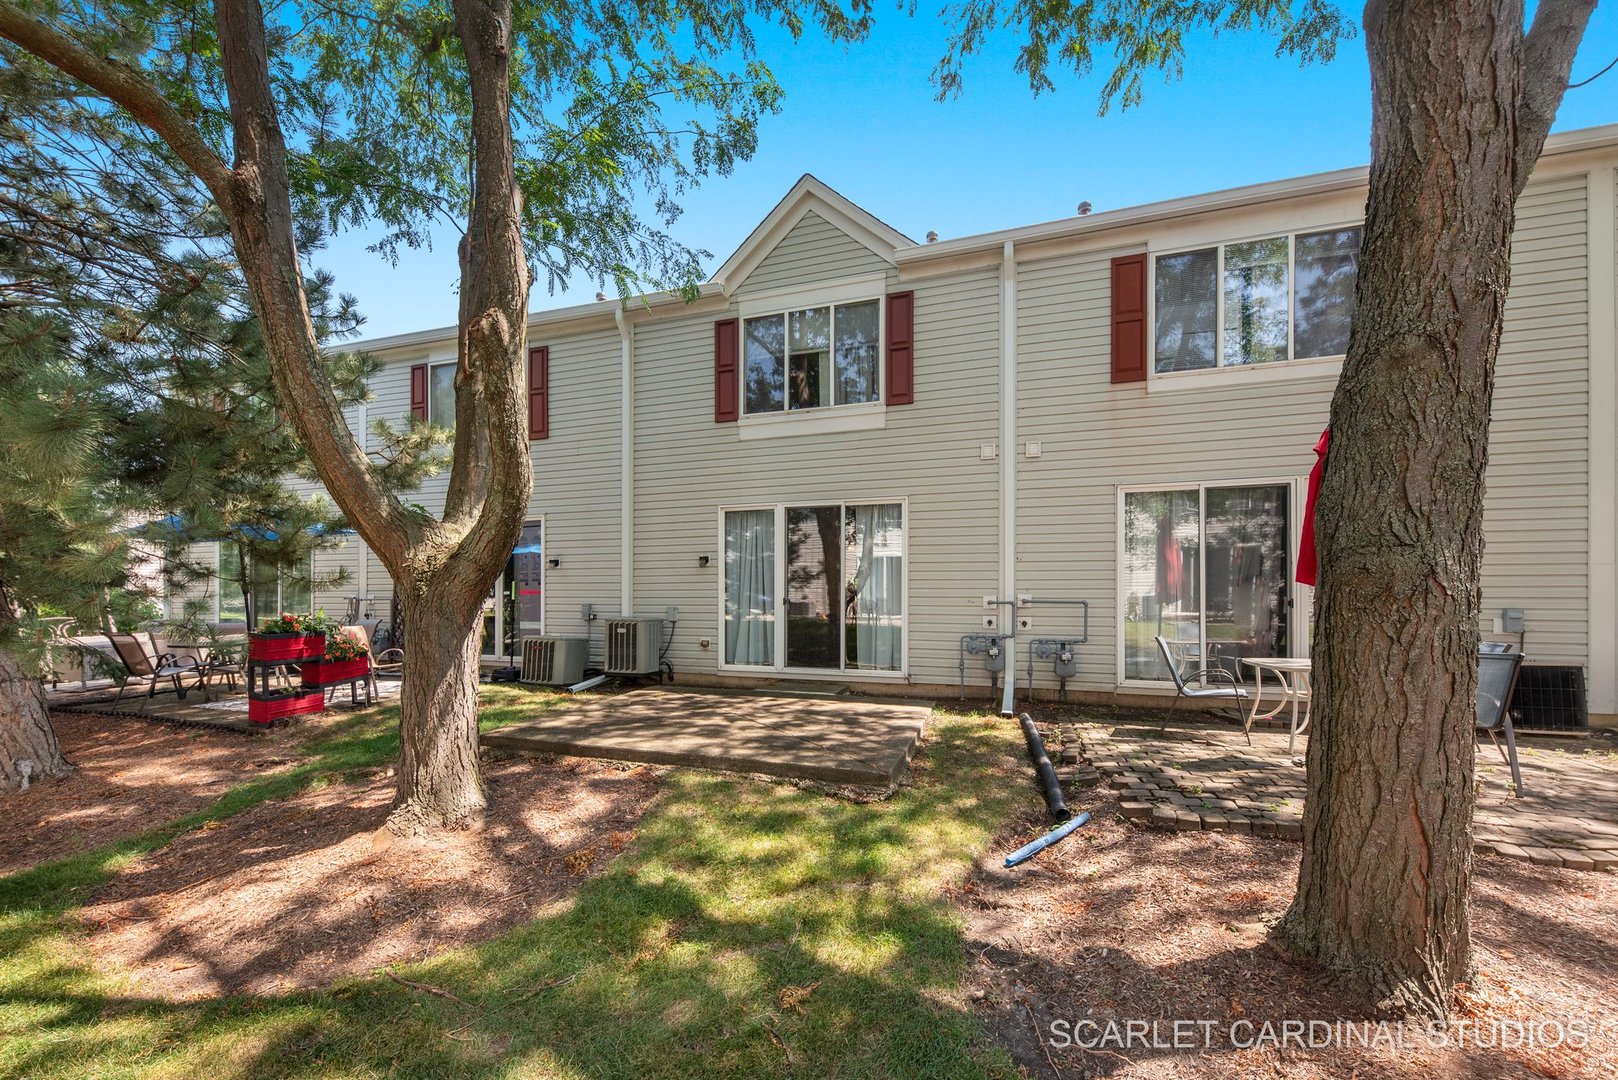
(133, 776)
(1122, 923)
(298, 893)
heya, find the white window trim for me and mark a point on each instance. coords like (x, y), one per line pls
(825, 420)
(220, 583)
(1221, 374)
(845, 674)
(1302, 596)
(431, 419)
(783, 303)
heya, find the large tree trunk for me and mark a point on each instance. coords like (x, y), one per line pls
(438, 776)
(1387, 856)
(445, 567)
(28, 748)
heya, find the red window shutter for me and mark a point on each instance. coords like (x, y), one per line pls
(1129, 319)
(726, 371)
(539, 393)
(901, 348)
(418, 391)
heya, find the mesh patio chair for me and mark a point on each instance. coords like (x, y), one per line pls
(168, 668)
(1193, 685)
(1497, 679)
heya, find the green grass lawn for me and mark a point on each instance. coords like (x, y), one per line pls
(671, 963)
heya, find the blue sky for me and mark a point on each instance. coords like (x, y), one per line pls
(863, 119)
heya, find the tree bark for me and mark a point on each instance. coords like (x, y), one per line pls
(438, 780)
(1457, 122)
(29, 751)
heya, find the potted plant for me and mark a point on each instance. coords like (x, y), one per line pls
(346, 658)
(288, 637)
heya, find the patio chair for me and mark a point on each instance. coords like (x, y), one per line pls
(386, 662)
(1192, 684)
(141, 667)
(1497, 680)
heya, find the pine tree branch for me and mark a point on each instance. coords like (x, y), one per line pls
(124, 86)
(1547, 60)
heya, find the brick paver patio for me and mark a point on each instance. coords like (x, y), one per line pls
(1208, 778)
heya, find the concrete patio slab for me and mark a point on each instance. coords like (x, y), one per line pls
(863, 743)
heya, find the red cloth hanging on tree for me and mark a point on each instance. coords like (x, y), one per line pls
(1306, 547)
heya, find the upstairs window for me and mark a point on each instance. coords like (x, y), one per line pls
(441, 394)
(813, 358)
(1255, 302)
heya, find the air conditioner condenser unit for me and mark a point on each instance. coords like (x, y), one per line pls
(554, 661)
(634, 646)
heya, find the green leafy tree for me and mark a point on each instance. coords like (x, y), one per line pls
(1462, 98)
(139, 416)
(533, 129)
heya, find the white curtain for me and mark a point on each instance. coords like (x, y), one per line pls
(876, 575)
(750, 587)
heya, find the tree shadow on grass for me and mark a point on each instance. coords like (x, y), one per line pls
(751, 930)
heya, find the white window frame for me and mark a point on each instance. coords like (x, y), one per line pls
(855, 416)
(1289, 368)
(433, 365)
(842, 673)
(1301, 596)
(280, 587)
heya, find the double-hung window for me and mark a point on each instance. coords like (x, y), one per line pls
(812, 357)
(814, 587)
(441, 394)
(1255, 302)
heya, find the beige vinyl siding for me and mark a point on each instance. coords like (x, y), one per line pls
(576, 479)
(814, 252)
(687, 467)
(202, 591)
(1536, 511)
(1096, 437)
(343, 558)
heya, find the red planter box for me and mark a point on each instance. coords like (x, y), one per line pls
(266, 711)
(327, 672)
(285, 646)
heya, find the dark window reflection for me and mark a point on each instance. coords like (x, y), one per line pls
(1328, 264)
(1187, 303)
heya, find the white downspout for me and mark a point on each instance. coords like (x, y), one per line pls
(1008, 464)
(1603, 445)
(626, 465)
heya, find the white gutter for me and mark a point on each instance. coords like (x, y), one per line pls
(1327, 183)
(626, 464)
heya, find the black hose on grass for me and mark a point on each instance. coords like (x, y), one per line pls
(1054, 802)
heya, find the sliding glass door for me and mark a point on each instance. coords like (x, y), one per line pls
(1208, 568)
(515, 607)
(820, 587)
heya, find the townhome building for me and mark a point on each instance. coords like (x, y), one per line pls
(834, 464)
